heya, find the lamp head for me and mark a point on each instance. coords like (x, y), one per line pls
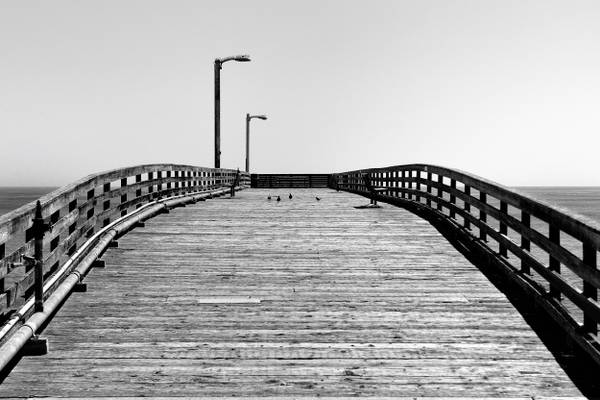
(248, 116)
(242, 58)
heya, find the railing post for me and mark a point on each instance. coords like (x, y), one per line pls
(403, 184)
(417, 186)
(467, 206)
(482, 217)
(440, 192)
(452, 197)
(554, 236)
(388, 181)
(123, 195)
(106, 202)
(429, 180)
(525, 243)
(39, 229)
(410, 184)
(2, 255)
(503, 228)
(590, 291)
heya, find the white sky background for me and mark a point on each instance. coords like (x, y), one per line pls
(508, 90)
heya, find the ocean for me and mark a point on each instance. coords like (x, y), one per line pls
(14, 197)
(581, 200)
(584, 200)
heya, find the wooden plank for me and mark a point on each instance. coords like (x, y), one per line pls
(278, 397)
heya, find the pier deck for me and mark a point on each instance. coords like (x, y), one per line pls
(246, 297)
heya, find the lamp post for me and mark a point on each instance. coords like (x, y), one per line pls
(218, 63)
(248, 118)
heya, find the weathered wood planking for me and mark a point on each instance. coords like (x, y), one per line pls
(352, 302)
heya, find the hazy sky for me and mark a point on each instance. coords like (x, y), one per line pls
(509, 90)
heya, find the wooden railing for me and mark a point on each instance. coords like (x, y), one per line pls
(289, 180)
(531, 239)
(75, 212)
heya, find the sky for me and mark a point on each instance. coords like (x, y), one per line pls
(507, 90)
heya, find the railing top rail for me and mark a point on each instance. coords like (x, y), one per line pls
(577, 225)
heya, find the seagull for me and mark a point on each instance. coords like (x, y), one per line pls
(317, 197)
(290, 196)
(269, 198)
(278, 198)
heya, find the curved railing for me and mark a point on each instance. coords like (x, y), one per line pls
(76, 211)
(549, 252)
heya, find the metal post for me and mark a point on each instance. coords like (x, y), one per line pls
(217, 113)
(247, 142)
(248, 118)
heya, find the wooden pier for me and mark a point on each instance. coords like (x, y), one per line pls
(299, 298)
(171, 281)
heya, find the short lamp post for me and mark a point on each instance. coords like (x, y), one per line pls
(218, 63)
(248, 118)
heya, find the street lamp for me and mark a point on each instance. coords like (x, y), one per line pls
(248, 118)
(218, 63)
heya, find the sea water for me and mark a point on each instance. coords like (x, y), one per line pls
(14, 197)
(580, 200)
(583, 200)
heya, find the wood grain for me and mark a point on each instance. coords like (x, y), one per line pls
(341, 302)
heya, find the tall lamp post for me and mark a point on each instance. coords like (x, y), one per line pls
(218, 63)
(248, 118)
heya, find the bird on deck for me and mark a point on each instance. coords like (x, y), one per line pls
(290, 196)
(278, 198)
(269, 197)
(318, 198)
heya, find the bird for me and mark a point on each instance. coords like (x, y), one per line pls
(317, 197)
(278, 198)
(269, 197)
(290, 196)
